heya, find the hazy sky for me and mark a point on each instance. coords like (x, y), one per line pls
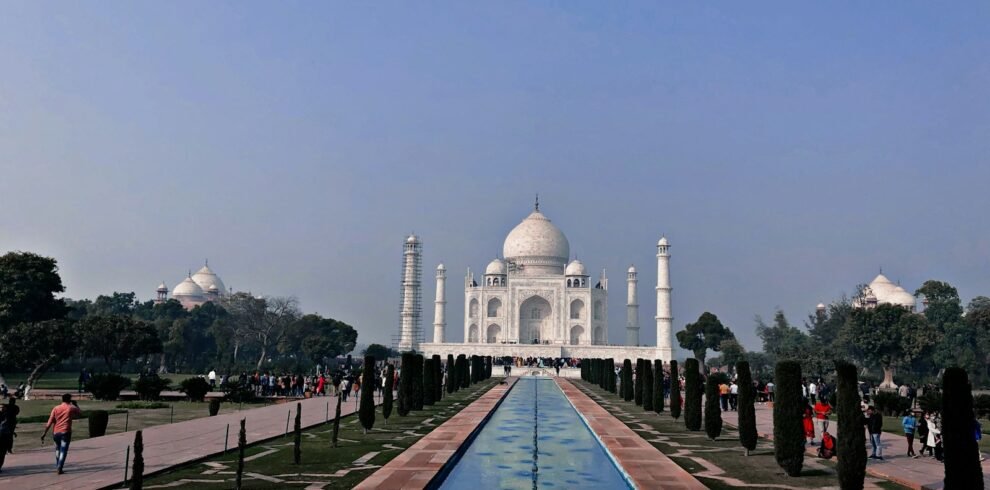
(787, 151)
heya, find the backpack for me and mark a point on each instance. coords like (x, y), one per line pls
(827, 448)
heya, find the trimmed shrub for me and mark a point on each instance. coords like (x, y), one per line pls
(647, 385)
(366, 408)
(713, 412)
(638, 383)
(930, 401)
(981, 405)
(387, 394)
(107, 387)
(429, 388)
(464, 374)
(437, 377)
(405, 383)
(890, 403)
(658, 386)
(242, 443)
(214, 407)
(746, 407)
(850, 442)
(693, 391)
(137, 475)
(613, 381)
(962, 456)
(98, 420)
(150, 388)
(237, 393)
(336, 422)
(138, 406)
(417, 386)
(627, 380)
(788, 412)
(675, 391)
(195, 388)
(451, 384)
(297, 435)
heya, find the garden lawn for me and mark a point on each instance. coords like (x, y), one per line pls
(69, 381)
(28, 433)
(357, 456)
(716, 463)
(892, 428)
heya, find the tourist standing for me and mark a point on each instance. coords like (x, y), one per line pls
(807, 420)
(723, 396)
(874, 425)
(922, 431)
(822, 410)
(813, 392)
(61, 420)
(770, 387)
(909, 423)
(733, 396)
(8, 422)
(212, 376)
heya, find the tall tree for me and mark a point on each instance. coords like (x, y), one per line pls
(888, 336)
(638, 383)
(452, 384)
(693, 390)
(37, 347)
(429, 388)
(850, 445)
(781, 341)
(713, 413)
(658, 386)
(703, 335)
(747, 407)
(118, 339)
(788, 412)
(387, 393)
(675, 390)
(405, 383)
(627, 381)
(648, 385)
(366, 410)
(28, 285)
(943, 306)
(378, 351)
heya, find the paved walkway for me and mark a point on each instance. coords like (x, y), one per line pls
(920, 473)
(420, 464)
(99, 462)
(643, 462)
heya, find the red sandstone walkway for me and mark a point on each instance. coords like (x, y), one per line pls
(920, 473)
(418, 465)
(644, 463)
(99, 462)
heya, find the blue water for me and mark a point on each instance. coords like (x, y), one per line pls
(535, 439)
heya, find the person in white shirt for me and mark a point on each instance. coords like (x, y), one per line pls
(733, 396)
(812, 391)
(213, 378)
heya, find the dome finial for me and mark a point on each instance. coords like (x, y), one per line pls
(206, 262)
(537, 201)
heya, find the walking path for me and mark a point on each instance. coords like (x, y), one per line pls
(920, 473)
(99, 462)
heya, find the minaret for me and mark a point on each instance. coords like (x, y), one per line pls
(162, 293)
(410, 302)
(632, 308)
(440, 306)
(665, 319)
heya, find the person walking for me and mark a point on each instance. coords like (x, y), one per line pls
(922, 432)
(723, 395)
(874, 424)
(733, 396)
(212, 376)
(61, 420)
(807, 421)
(822, 410)
(812, 392)
(910, 424)
(8, 422)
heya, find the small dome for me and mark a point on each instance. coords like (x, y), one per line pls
(575, 268)
(496, 266)
(412, 239)
(162, 287)
(821, 306)
(663, 241)
(441, 267)
(206, 279)
(189, 289)
(632, 268)
(212, 288)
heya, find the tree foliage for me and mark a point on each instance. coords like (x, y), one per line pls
(788, 412)
(648, 385)
(627, 381)
(851, 443)
(962, 457)
(387, 394)
(746, 407)
(405, 383)
(888, 336)
(703, 335)
(693, 391)
(713, 413)
(675, 391)
(366, 409)
(638, 383)
(28, 285)
(658, 386)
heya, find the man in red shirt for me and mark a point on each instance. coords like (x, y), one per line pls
(61, 420)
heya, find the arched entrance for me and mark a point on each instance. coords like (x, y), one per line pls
(577, 331)
(599, 336)
(473, 334)
(534, 321)
(494, 334)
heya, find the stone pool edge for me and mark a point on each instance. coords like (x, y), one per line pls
(638, 460)
(419, 465)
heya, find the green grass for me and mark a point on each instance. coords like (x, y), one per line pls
(318, 458)
(681, 445)
(69, 381)
(34, 414)
(892, 426)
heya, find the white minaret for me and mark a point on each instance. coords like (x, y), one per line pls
(632, 309)
(440, 306)
(665, 319)
(410, 302)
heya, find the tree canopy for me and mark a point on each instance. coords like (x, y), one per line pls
(703, 335)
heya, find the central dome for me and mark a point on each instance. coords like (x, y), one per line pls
(537, 246)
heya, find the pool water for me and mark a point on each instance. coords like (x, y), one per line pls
(535, 439)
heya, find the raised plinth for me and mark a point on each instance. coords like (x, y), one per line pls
(546, 350)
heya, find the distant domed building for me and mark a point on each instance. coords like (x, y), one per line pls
(883, 291)
(196, 289)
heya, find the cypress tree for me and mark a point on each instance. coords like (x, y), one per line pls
(429, 389)
(627, 380)
(451, 385)
(609, 368)
(336, 418)
(647, 385)
(584, 370)
(658, 386)
(297, 434)
(241, 443)
(746, 407)
(405, 383)
(675, 391)
(137, 478)
(692, 395)
(788, 412)
(638, 383)
(713, 413)
(850, 442)
(465, 375)
(962, 456)
(488, 367)
(366, 410)
(417, 384)
(437, 378)
(387, 395)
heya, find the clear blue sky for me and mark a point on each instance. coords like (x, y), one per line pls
(788, 151)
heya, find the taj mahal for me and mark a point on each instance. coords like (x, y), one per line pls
(534, 301)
